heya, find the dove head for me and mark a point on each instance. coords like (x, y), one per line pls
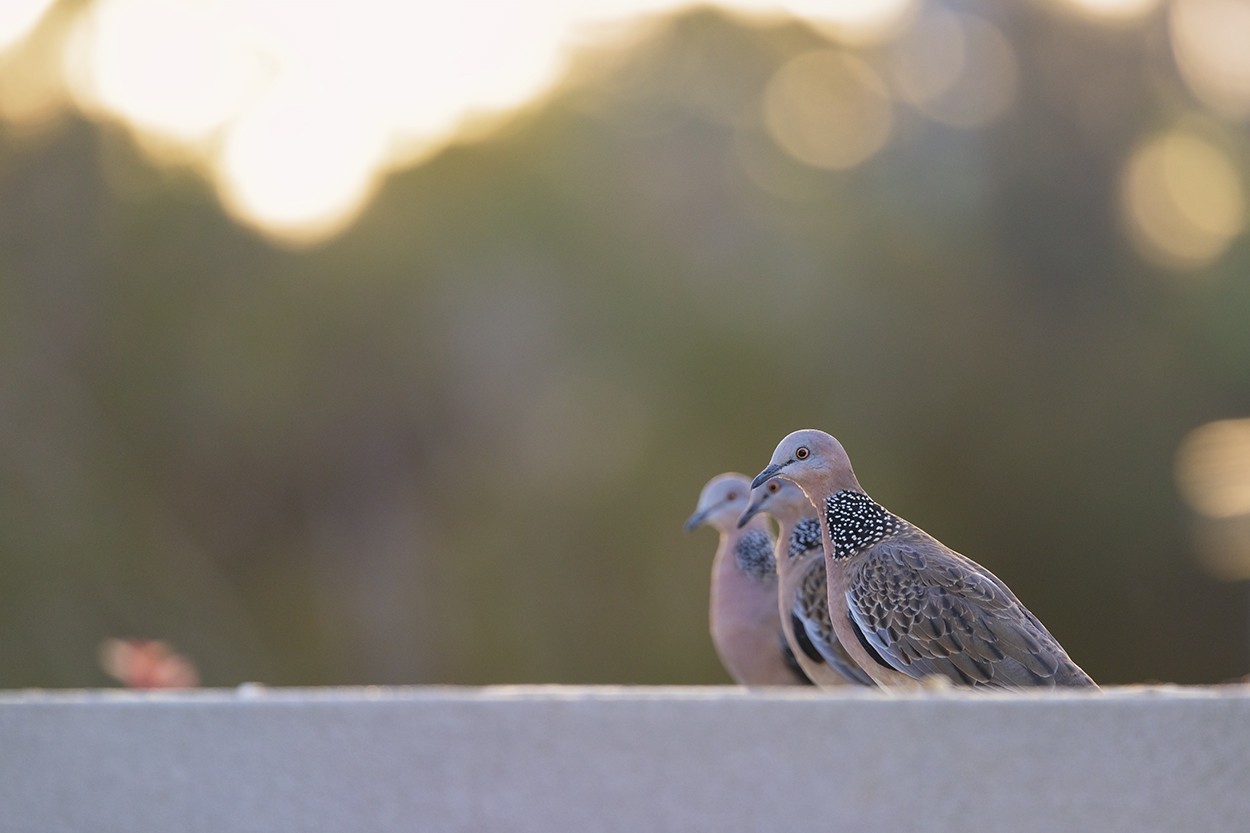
(779, 498)
(723, 499)
(813, 460)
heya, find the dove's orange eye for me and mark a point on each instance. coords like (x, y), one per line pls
(801, 453)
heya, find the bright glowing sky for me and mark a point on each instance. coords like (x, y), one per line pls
(297, 111)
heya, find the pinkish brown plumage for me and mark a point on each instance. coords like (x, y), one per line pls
(802, 596)
(744, 620)
(906, 606)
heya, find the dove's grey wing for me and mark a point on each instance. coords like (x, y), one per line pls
(813, 626)
(928, 610)
(804, 641)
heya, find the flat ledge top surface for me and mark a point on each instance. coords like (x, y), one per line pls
(1136, 759)
(256, 693)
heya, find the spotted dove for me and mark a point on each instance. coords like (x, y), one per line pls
(921, 607)
(802, 593)
(745, 625)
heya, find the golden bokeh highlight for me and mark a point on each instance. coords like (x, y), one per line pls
(1213, 475)
(1211, 43)
(179, 70)
(955, 68)
(1182, 200)
(1213, 468)
(296, 112)
(18, 18)
(828, 109)
(304, 170)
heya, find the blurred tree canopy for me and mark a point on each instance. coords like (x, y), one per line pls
(456, 443)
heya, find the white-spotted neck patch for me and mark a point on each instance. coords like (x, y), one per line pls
(754, 554)
(805, 538)
(856, 522)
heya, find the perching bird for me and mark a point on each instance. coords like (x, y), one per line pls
(922, 607)
(745, 625)
(802, 593)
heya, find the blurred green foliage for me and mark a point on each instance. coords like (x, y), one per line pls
(456, 444)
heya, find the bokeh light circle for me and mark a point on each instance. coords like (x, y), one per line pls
(1182, 200)
(828, 109)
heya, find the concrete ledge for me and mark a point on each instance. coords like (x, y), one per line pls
(628, 759)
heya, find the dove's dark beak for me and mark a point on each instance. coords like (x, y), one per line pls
(767, 474)
(695, 520)
(754, 509)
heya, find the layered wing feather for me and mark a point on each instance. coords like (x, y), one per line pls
(929, 610)
(812, 623)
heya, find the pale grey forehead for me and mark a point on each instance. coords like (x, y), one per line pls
(720, 486)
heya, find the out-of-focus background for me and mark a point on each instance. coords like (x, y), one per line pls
(372, 342)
